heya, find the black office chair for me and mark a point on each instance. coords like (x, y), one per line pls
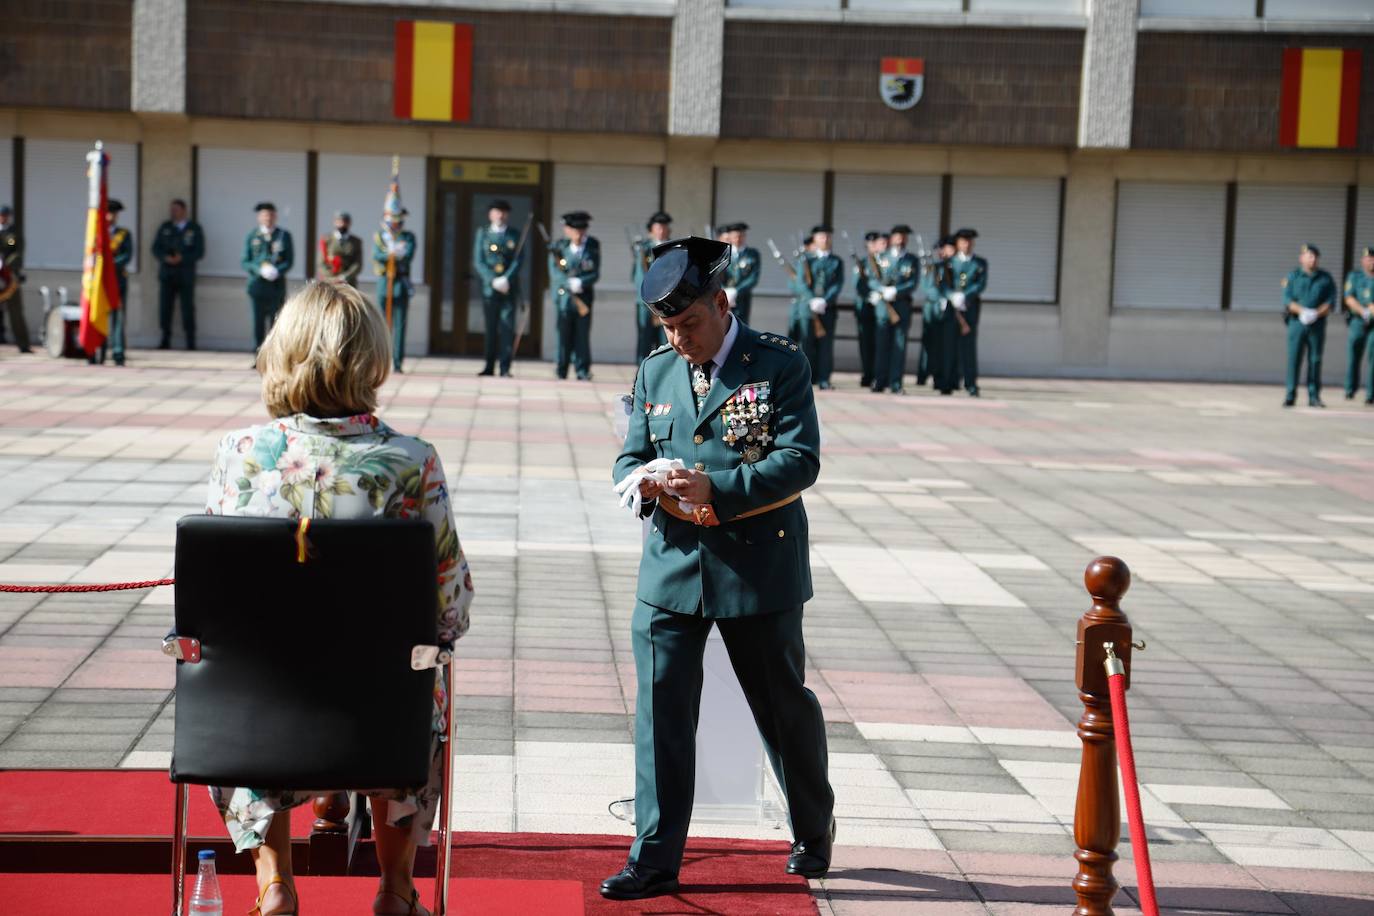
(288, 635)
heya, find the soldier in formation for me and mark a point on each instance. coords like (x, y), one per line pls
(122, 252)
(1359, 316)
(393, 249)
(816, 285)
(496, 258)
(341, 252)
(742, 275)
(966, 279)
(868, 300)
(1309, 295)
(179, 244)
(899, 276)
(649, 333)
(574, 268)
(267, 258)
(12, 293)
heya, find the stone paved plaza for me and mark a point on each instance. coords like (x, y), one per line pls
(949, 538)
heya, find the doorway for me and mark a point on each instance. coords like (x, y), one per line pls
(463, 193)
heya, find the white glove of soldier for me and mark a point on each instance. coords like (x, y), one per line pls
(398, 249)
(656, 470)
(268, 272)
(890, 293)
(818, 305)
(957, 300)
(575, 284)
(875, 297)
(501, 285)
(730, 295)
(1307, 316)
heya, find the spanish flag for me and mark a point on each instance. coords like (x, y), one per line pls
(99, 285)
(433, 80)
(1320, 102)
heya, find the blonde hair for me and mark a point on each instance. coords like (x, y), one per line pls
(326, 355)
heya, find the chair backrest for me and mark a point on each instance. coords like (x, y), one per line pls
(305, 680)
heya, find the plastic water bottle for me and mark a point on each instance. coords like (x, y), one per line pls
(206, 899)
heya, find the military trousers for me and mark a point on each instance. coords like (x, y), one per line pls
(574, 340)
(744, 304)
(650, 334)
(863, 314)
(769, 658)
(266, 304)
(802, 329)
(1308, 340)
(171, 290)
(923, 361)
(15, 306)
(825, 347)
(498, 316)
(400, 309)
(968, 348)
(889, 345)
(944, 351)
(114, 344)
(1361, 339)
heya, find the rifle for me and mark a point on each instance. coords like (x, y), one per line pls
(523, 306)
(583, 310)
(817, 326)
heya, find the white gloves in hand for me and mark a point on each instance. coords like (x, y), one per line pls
(268, 272)
(875, 297)
(957, 300)
(398, 249)
(889, 294)
(730, 295)
(656, 470)
(501, 285)
(818, 306)
(1307, 316)
(575, 284)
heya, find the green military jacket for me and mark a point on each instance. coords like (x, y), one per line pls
(743, 274)
(826, 275)
(586, 265)
(274, 249)
(643, 251)
(970, 277)
(1360, 286)
(188, 242)
(758, 439)
(342, 258)
(1309, 291)
(122, 252)
(12, 249)
(903, 272)
(864, 282)
(931, 279)
(381, 248)
(496, 254)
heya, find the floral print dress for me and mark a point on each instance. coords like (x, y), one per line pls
(352, 467)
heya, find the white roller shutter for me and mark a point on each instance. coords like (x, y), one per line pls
(776, 205)
(55, 199)
(879, 202)
(1063, 7)
(1272, 221)
(1364, 222)
(1017, 220)
(1329, 10)
(1170, 240)
(230, 182)
(357, 185)
(1191, 9)
(617, 196)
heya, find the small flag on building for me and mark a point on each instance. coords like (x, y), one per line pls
(1319, 106)
(99, 285)
(433, 79)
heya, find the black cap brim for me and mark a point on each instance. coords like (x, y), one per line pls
(683, 272)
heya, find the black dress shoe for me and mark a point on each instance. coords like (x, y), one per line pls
(811, 858)
(486, 372)
(1288, 402)
(506, 374)
(878, 389)
(824, 386)
(1315, 402)
(1350, 395)
(865, 382)
(166, 344)
(973, 392)
(635, 882)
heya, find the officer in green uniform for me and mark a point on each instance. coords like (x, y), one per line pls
(945, 324)
(728, 548)
(743, 273)
(816, 288)
(574, 268)
(12, 253)
(341, 252)
(1359, 315)
(122, 252)
(267, 258)
(648, 332)
(968, 278)
(393, 248)
(496, 257)
(899, 275)
(868, 299)
(1309, 295)
(178, 246)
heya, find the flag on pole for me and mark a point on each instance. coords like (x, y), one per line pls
(99, 285)
(432, 80)
(392, 208)
(1319, 103)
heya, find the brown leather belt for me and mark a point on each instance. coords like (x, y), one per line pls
(706, 515)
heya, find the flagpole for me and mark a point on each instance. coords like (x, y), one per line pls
(390, 254)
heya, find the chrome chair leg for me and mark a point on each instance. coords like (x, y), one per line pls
(179, 848)
(443, 863)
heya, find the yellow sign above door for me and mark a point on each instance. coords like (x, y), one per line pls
(480, 171)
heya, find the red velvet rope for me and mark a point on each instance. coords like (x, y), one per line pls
(1140, 849)
(92, 587)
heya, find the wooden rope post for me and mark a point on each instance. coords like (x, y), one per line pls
(1097, 814)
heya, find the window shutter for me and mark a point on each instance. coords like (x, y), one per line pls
(1272, 221)
(1017, 220)
(1169, 245)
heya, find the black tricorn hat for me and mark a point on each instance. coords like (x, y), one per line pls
(822, 227)
(113, 205)
(264, 205)
(1308, 246)
(577, 219)
(946, 240)
(684, 270)
(738, 227)
(501, 204)
(874, 236)
(903, 228)
(659, 216)
(966, 234)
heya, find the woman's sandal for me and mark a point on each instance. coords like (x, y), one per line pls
(295, 901)
(413, 902)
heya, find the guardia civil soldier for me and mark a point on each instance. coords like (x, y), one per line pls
(574, 268)
(816, 288)
(899, 275)
(267, 258)
(393, 248)
(178, 246)
(496, 257)
(341, 252)
(945, 324)
(743, 273)
(1309, 295)
(728, 548)
(868, 298)
(968, 277)
(12, 254)
(121, 252)
(648, 333)
(1359, 315)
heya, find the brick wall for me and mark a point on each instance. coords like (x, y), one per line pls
(819, 81)
(65, 53)
(1220, 91)
(333, 62)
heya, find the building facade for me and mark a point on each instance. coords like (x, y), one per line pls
(1122, 160)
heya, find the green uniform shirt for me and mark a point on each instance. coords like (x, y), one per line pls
(122, 249)
(1308, 290)
(564, 264)
(761, 400)
(187, 241)
(274, 249)
(381, 250)
(826, 273)
(12, 249)
(343, 258)
(495, 254)
(643, 257)
(1360, 286)
(743, 272)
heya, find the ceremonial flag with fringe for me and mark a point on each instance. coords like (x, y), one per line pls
(1319, 104)
(99, 285)
(433, 71)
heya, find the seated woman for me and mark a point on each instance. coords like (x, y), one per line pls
(326, 455)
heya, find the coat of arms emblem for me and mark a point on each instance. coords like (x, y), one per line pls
(902, 81)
